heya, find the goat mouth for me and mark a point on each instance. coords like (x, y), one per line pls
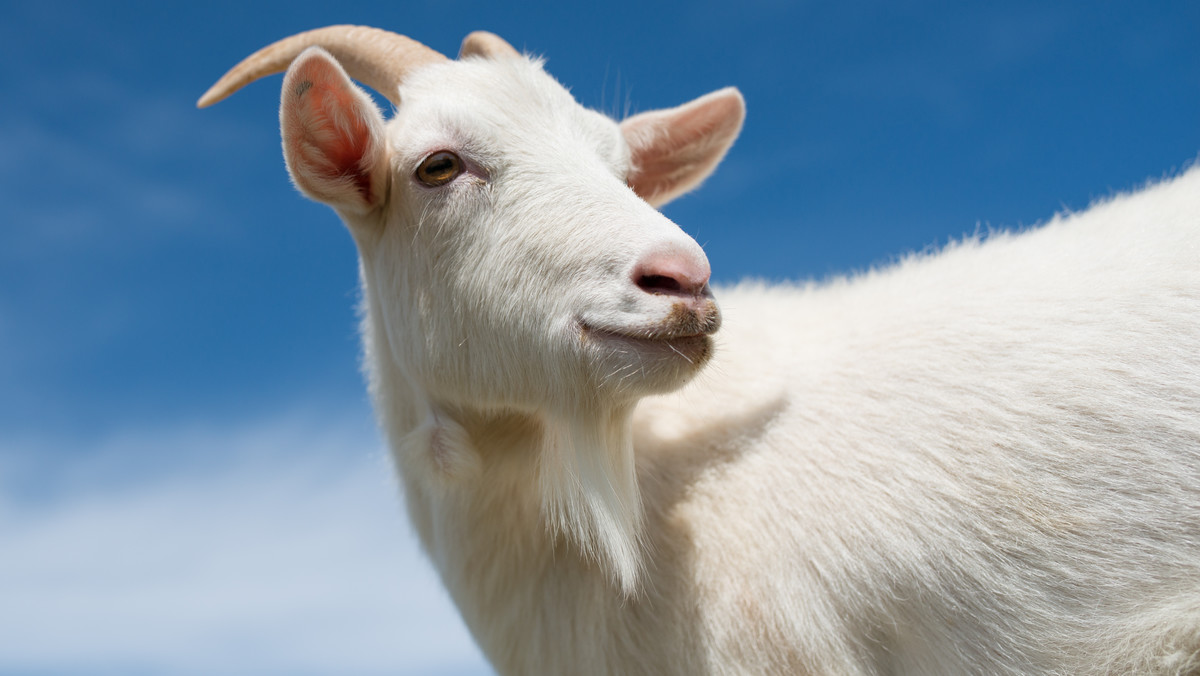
(640, 335)
(685, 333)
(694, 348)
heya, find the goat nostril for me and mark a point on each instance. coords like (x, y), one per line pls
(670, 272)
(659, 284)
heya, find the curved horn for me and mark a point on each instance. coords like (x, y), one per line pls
(377, 58)
(485, 44)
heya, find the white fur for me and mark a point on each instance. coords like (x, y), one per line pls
(981, 461)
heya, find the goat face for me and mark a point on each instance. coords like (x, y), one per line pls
(510, 251)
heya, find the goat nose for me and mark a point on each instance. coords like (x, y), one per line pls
(673, 273)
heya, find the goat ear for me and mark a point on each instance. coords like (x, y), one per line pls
(674, 150)
(332, 135)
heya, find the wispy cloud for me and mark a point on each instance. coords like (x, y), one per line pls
(285, 552)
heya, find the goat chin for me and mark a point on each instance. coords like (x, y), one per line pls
(981, 460)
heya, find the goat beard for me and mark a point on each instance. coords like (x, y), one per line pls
(589, 489)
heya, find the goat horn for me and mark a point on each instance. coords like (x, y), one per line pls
(377, 58)
(485, 44)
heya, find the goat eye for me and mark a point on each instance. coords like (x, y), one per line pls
(439, 168)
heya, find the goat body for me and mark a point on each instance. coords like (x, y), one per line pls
(985, 460)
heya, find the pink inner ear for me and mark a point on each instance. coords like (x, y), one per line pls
(674, 150)
(330, 140)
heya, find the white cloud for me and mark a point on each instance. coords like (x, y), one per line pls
(284, 551)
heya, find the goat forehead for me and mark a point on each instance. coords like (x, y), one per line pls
(510, 103)
(489, 86)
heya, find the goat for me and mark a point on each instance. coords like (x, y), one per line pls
(984, 460)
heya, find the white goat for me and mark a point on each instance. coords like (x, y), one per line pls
(984, 461)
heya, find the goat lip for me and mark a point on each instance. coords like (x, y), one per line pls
(647, 339)
(644, 336)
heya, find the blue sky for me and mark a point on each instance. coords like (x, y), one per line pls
(190, 481)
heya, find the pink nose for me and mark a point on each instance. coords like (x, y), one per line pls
(672, 273)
